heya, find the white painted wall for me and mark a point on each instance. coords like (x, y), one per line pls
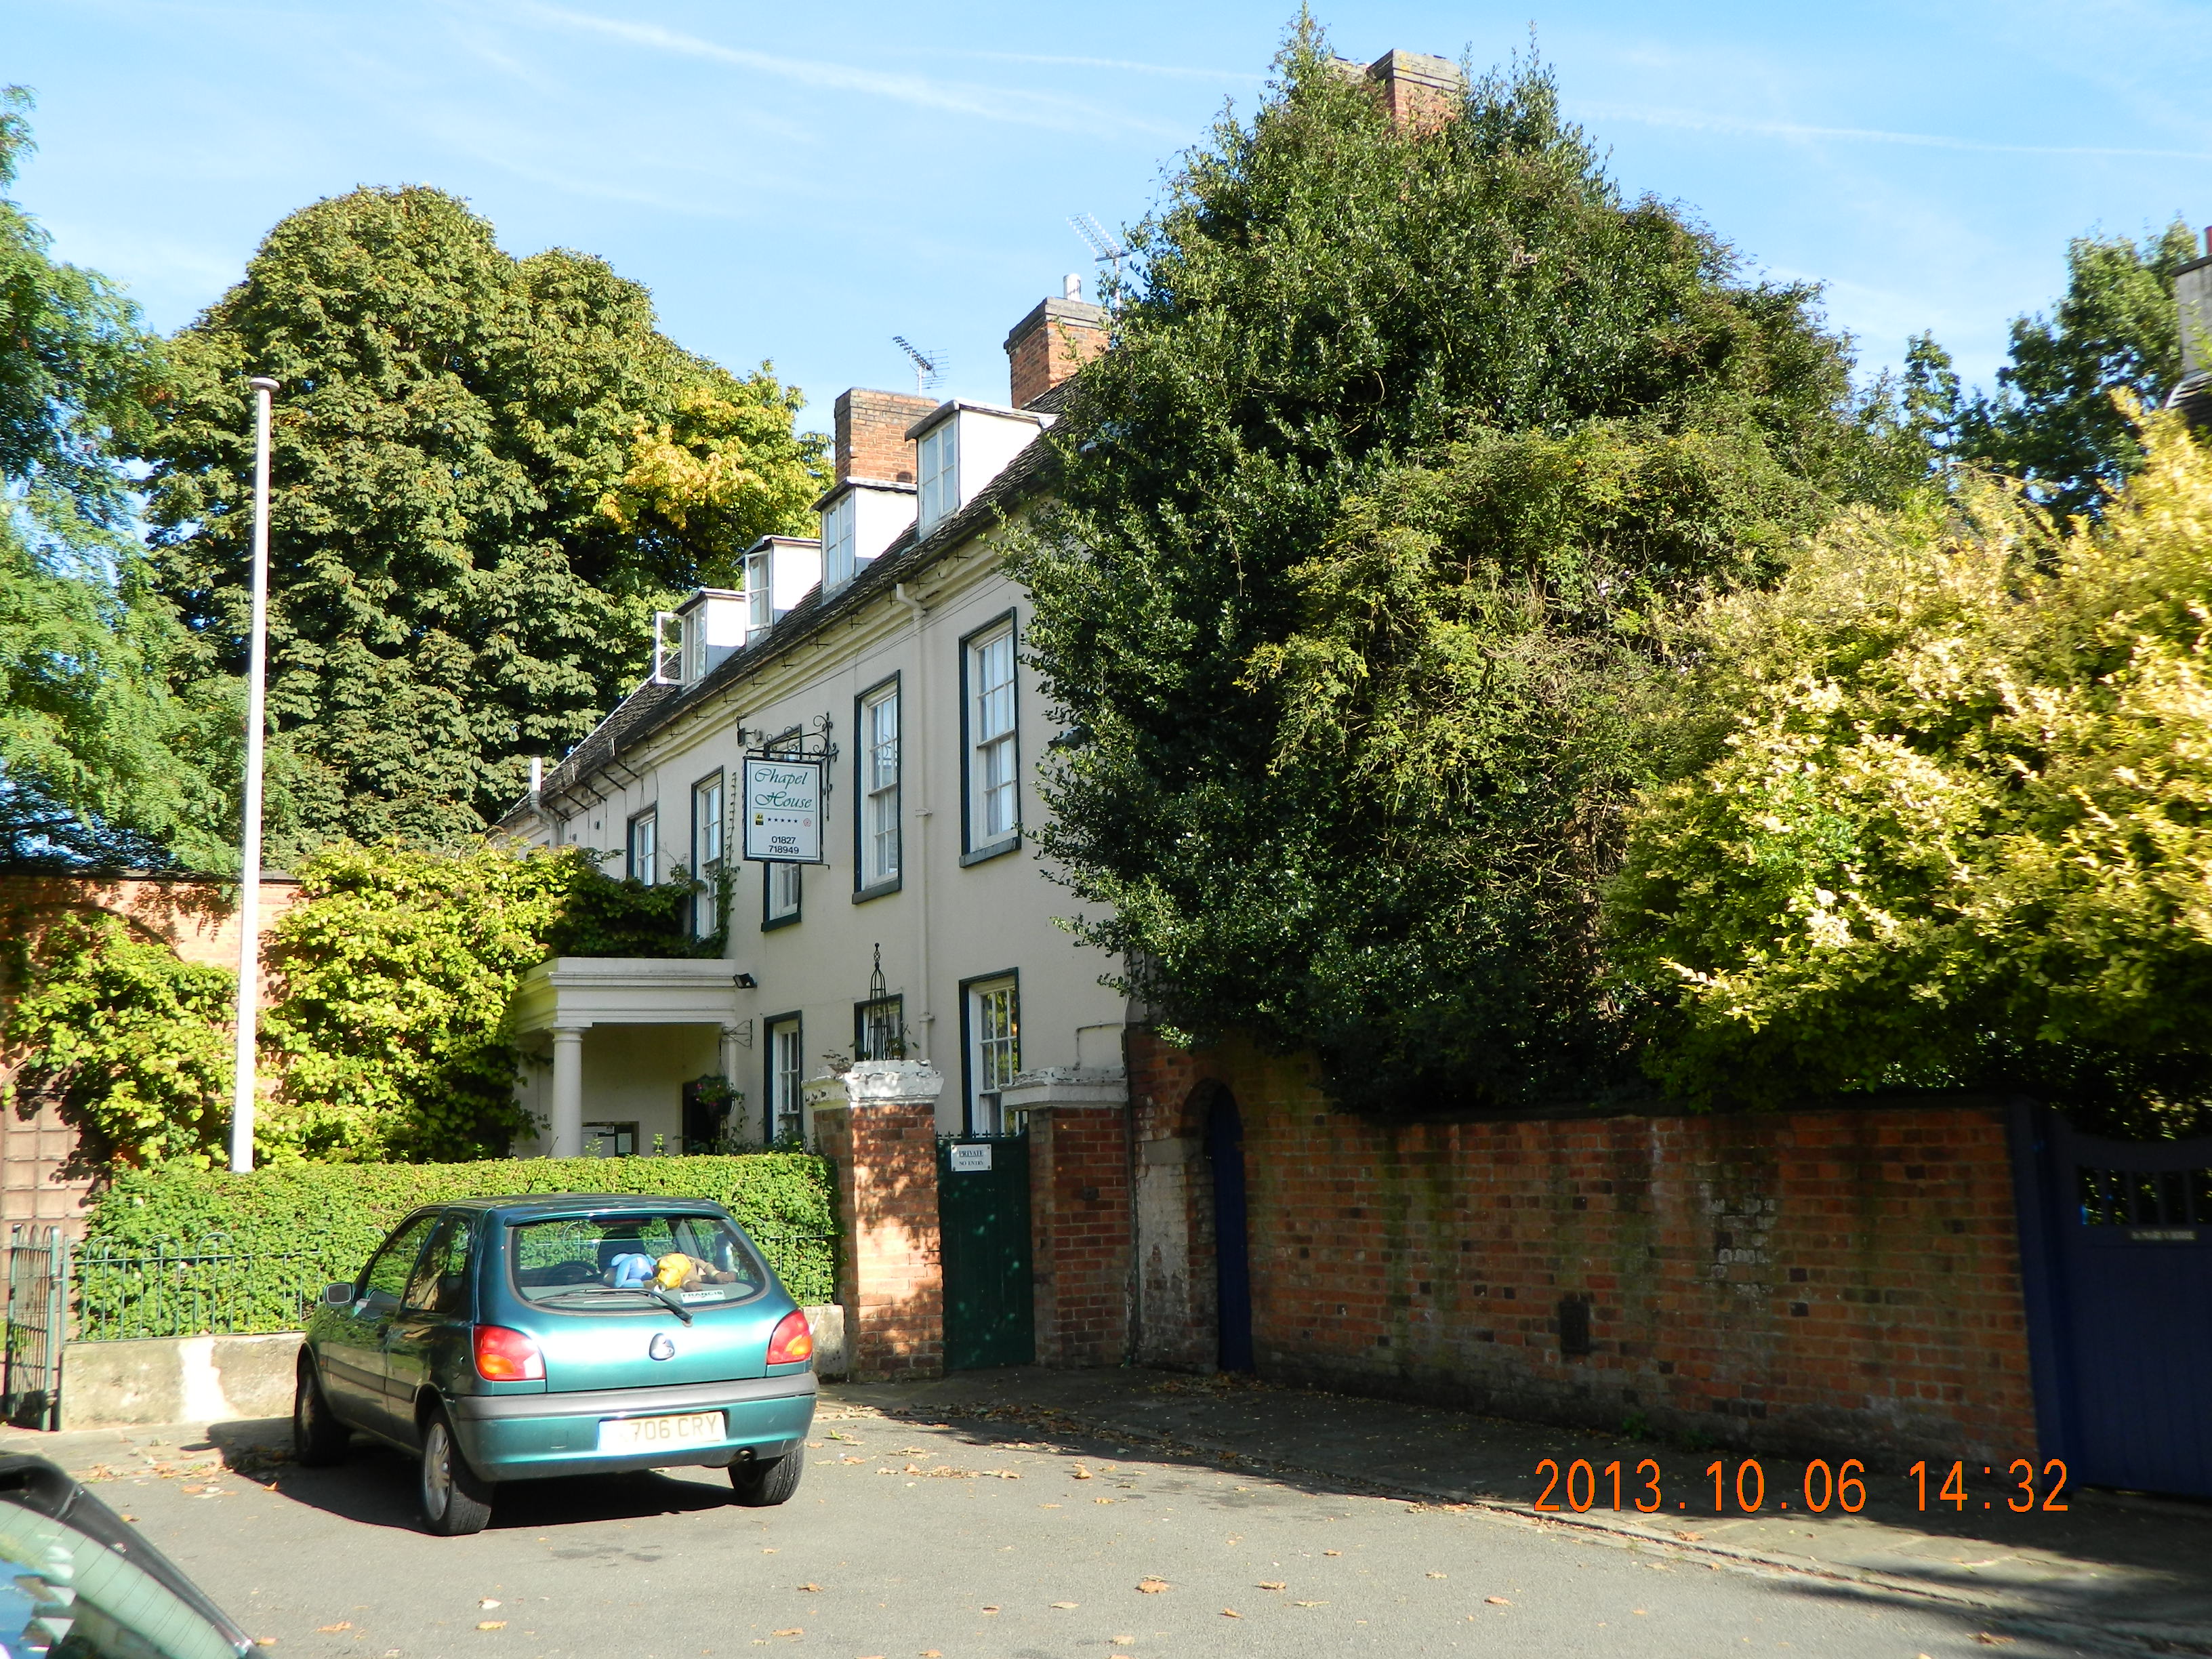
(945, 924)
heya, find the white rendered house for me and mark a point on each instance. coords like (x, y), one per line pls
(894, 644)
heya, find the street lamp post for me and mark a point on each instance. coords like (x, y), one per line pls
(249, 862)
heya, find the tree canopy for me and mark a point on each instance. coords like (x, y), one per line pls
(2057, 419)
(1941, 811)
(99, 761)
(1404, 434)
(488, 473)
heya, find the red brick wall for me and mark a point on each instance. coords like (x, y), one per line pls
(870, 434)
(889, 1264)
(1844, 1280)
(1051, 343)
(1079, 1234)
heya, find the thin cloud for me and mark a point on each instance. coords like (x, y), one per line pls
(989, 104)
(1123, 63)
(1692, 121)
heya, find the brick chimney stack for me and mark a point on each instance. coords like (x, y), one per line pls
(1421, 92)
(871, 434)
(1052, 343)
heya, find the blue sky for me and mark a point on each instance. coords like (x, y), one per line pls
(801, 183)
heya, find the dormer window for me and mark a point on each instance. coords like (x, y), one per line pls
(941, 473)
(840, 522)
(760, 593)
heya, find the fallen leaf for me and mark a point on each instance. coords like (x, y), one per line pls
(1331, 1552)
(1436, 1574)
(491, 1624)
(1272, 1583)
(1064, 1604)
(1498, 1600)
(814, 1445)
(1639, 1613)
(990, 1609)
(1152, 1586)
(1102, 1500)
(810, 1586)
(1691, 1537)
(764, 1550)
(1082, 1473)
(332, 1629)
(1006, 1475)
(1989, 1640)
(265, 1641)
(848, 1459)
(1309, 1604)
(488, 1602)
(133, 1517)
(793, 1631)
(930, 1653)
(1230, 1612)
(193, 1491)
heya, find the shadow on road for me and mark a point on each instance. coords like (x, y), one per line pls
(375, 1485)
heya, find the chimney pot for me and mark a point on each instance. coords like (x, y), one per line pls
(1071, 286)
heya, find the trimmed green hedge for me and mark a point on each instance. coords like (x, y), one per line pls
(176, 1237)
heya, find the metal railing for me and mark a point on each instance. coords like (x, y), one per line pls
(202, 1290)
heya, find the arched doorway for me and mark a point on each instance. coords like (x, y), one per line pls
(1232, 1260)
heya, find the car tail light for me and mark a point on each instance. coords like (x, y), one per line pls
(506, 1356)
(794, 1341)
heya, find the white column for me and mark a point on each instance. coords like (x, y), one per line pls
(568, 1091)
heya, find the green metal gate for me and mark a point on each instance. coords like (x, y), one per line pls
(983, 1216)
(37, 1315)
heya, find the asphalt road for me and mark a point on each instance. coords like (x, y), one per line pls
(934, 1541)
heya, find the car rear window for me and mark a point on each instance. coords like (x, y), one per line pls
(632, 1259)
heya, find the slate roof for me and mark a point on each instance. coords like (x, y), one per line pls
(651, 708)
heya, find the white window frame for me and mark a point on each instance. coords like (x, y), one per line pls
(991, 722)
(760, 594)
(709, 832)
(786, 1069)
(937, 467)
(877, 853)
(641, 847)
(841, 536)
(991, 1018)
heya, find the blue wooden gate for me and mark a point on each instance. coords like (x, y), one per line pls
(2116, 1242)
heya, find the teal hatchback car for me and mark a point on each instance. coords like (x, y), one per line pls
(512, 1338)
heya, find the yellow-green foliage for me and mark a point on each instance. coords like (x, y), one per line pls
(133, 1045)
(1945, 806)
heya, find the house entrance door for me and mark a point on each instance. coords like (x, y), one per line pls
(2117, 1259)
(983, 1219)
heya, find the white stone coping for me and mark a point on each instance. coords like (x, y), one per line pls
(877, 1083)
(1075, 1086)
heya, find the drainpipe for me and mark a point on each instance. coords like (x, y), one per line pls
(921, 810)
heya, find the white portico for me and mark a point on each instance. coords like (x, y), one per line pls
(659, 1022)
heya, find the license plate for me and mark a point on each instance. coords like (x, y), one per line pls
(639, 1434)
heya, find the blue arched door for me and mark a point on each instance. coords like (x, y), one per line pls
(1232, 1260)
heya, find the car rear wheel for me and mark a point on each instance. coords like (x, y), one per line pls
(318, 1438)
(456, 1500)
(759, 1482)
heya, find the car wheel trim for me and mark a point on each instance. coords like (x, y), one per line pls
(437, 1470)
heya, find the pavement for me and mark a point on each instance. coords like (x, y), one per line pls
(1030, 1512)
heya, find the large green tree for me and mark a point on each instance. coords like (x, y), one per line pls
(98, 762)
(1404, 433)
(2056, 419)
(489, 472)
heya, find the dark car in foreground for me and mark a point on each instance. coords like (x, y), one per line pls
(515, 1339)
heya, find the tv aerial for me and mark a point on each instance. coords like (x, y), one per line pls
(928, 366)
(1108, 249)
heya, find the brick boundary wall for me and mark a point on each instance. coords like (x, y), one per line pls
(1824, 1281)
(890, 1278)
(1080, 1220)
